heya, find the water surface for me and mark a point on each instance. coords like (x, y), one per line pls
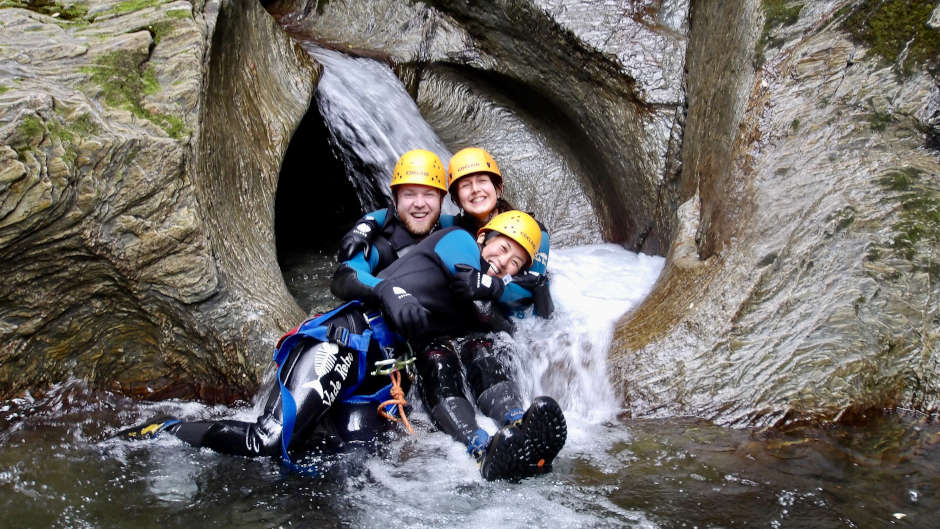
(59, 469)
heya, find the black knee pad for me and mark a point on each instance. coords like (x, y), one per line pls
(487, 364)
(440, 375)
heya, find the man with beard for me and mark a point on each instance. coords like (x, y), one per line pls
(419, 183)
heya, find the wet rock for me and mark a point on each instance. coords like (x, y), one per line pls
(115, 264)
(818, 295)
(599, 82)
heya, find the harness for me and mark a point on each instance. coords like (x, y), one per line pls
(316, 329)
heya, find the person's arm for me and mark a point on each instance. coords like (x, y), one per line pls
(355, 278)
(533, 285)
(360, 237)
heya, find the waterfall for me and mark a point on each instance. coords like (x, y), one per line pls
(372, 121)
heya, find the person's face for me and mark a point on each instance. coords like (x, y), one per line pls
(418, 207)
(477, 195)
(504, 255)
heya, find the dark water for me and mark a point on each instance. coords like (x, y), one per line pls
(58, 469)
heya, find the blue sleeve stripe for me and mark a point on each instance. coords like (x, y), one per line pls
(541, 257)
(458, 247)
(379, 215)
(364, 268)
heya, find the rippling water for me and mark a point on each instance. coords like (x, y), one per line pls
(59, 469)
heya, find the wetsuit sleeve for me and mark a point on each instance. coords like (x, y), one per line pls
(458, 247)
(515, 294)
(361, 235)
(355, 278)
(379, 216)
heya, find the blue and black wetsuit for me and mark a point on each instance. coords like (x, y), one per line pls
(320, 374)
(473, 359)
(355, 278)
(465, 355)
(516, 299)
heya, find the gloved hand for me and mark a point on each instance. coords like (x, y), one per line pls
(529, 280)
(358, 239)
(471, 284)
(406, 313)
(492, 318)
(537, 284)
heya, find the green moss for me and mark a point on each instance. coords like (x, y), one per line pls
(124, 84)
(160, 29)
(59, 131)
(897, 31)
(777, 13)
(4, 89)
(49, 7)
(879, 121)
(795, 124)
(919, 215)
(128, 6)
(28, 132)
(179, 13)
(900, 180)
(85, 126)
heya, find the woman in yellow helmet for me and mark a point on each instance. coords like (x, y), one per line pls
(475, 184)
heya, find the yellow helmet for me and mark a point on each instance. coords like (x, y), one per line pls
(422, 167)
(518, 226)
(472, 160)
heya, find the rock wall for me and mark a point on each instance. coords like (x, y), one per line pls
(112, 234)
(809, 280)
(782, 154)
(585, 97)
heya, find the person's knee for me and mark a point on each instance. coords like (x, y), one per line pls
(440, 374)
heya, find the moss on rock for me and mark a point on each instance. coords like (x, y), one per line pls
(72, 11)
(919, 222)
(897, 31)
(777, 14)
(124, 83)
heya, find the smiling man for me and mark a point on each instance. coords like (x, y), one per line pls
(419, 184)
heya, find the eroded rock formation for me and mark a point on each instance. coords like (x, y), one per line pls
(126, 149)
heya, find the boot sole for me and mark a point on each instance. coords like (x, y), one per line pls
(545, 432)
(531, 451)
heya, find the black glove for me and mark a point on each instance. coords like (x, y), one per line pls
(403, 309)
(491, 318)
(358, 239)
(529, 280)
(537, 284)
(471, 284)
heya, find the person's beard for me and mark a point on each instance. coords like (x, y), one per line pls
(417, 228)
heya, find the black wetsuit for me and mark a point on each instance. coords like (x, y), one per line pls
(463, 356)
(320, 374)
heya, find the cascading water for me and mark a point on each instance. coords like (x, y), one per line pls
(371, 120)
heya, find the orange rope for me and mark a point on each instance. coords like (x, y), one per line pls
(398, 397)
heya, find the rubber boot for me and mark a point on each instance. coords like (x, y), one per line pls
(456, 417)
(527, 449)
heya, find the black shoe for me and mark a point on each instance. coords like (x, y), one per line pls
(517, 452)
(149, 429)
(545, 431)
(505, 457)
